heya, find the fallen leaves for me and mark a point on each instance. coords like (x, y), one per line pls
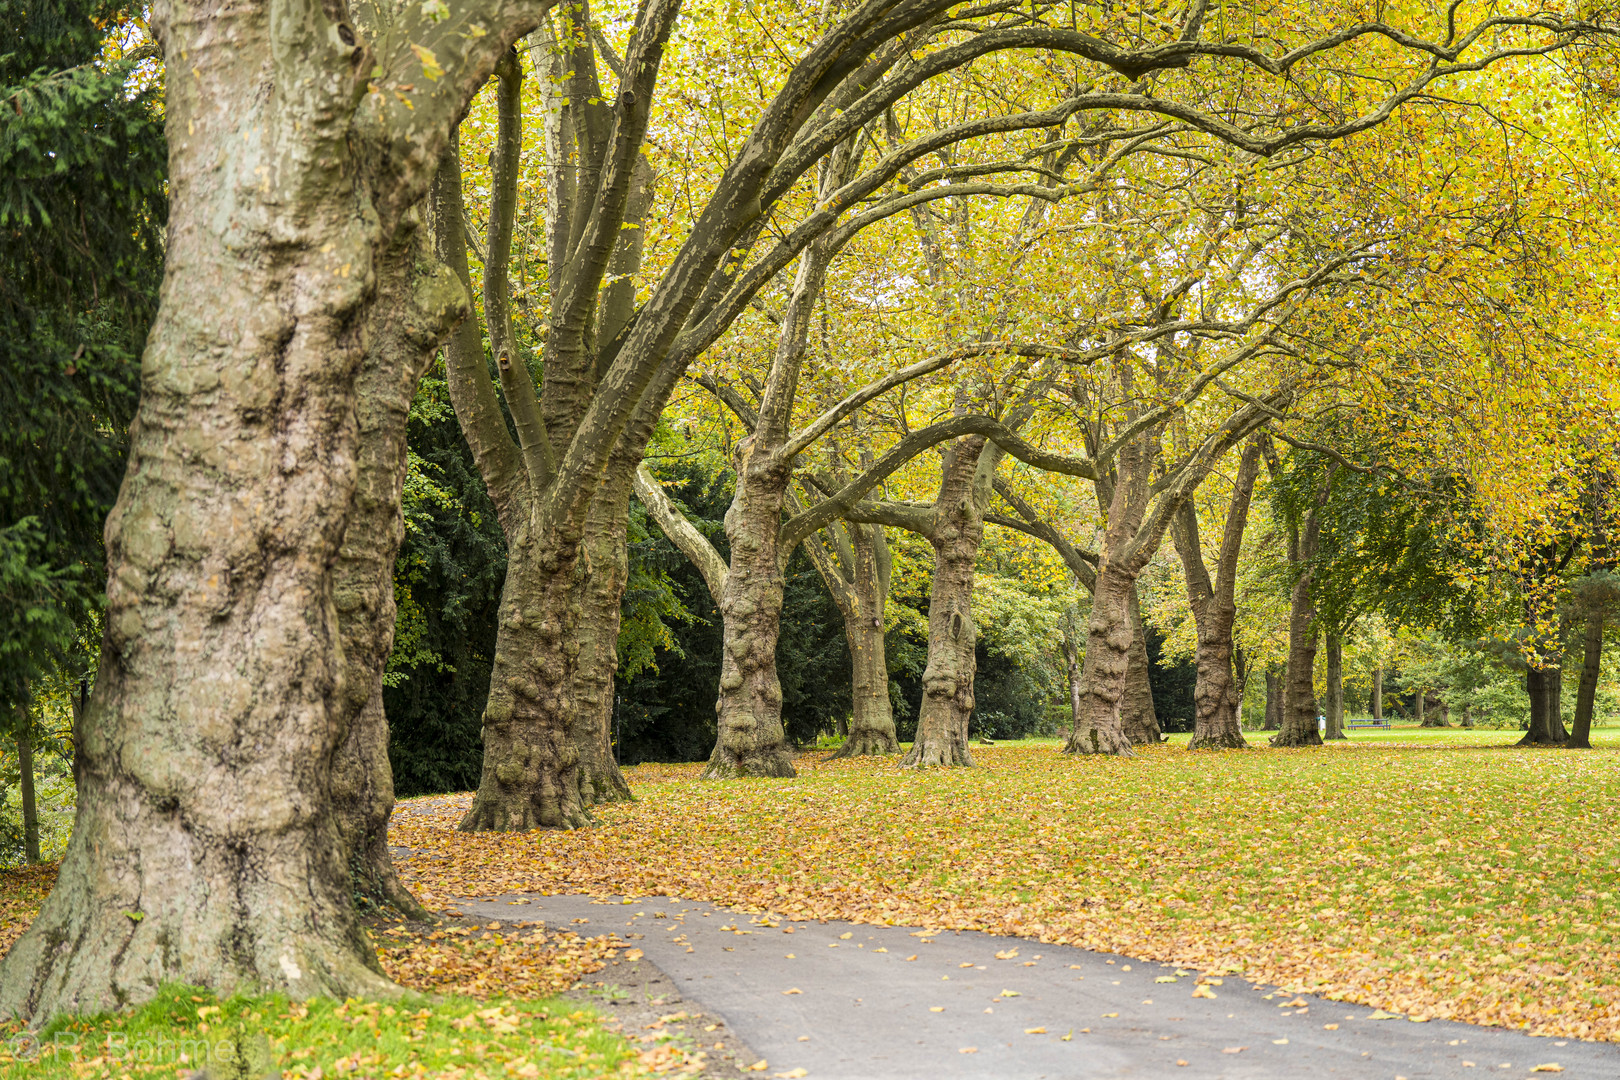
(1430, 917)
(522, 962)
(1203, 992)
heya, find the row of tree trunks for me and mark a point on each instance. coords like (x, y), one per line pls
(1299, 726)
(859, 583)
(1580, 735)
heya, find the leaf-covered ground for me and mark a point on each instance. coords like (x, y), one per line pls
(1440, 878)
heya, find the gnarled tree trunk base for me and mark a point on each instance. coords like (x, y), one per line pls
(1094, 740)
(1285, 737)
(726, 764)
(1227, 739)
(867, 744)
(942, 753)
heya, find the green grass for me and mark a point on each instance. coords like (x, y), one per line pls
(183, 1029)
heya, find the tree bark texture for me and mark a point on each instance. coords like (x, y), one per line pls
(607, 568)
(1335, 687)
(1545, 686)
(1274, 699)
(1137, 715)
(1580, 736)
(417, 301)
(1217, 701)
(751, 740)
(205, 849)
(859, 584)
(947, 702)
(1110, 634)
(1299, 711)
(25, 784)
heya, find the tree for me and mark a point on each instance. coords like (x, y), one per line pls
(1217, 703)
(205, 755)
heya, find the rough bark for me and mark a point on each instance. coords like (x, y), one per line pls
(1545, 686)
(947, 703)
(750, 739)
(1138, 717)
(1580, 736)
(205, 850)
(859, 583)
(1099, 727)
(1217, 701)
(1299, 713)
(1335, 687)
(1298, 723)
(607, 568)
(417, 301)
(25, 784)
(1274, 700)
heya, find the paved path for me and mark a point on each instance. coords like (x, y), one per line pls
(845, 1001)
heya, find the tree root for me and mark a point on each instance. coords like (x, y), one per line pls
(867, 743)
(724, 765)
(1312, 737)
(937, 753)
(1097, 741)
(1225, 740)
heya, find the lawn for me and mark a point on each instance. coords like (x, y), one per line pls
(1434, 874)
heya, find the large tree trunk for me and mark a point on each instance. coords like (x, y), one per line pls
(1274, 699)
(204, 850)
(862, 601)
(531, 759)
(25, 784)
(607, 568)
(750, 739)
(1099, 726)
(947, 704)
(1545, 687)
(1137, 716)
(1586, 696)
(1217, 698)
(1299, 712)
(417, 300)
(1335, 687)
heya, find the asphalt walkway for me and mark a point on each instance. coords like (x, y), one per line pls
(844, 1001)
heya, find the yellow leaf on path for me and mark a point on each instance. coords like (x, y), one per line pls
(1551, 1066)
(791, 1074)
(910, 958)
(1069, 1036)
(1010, 993)
(1106, 1015)
(1203, 992)
(968, 964)
(1418, 1019)
(1181, 1061)
(936, 1008)
(1035, 1031)
(795, 990)
(1234, 1049)
(1007, 954)
(1165, 979)
(1382, 1015)
(968, 1050)
(634, 954)
(759, 1066)
(845, 936)
(1279, 1042)
(1330, 1027)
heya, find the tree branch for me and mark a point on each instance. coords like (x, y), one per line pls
(681, 532)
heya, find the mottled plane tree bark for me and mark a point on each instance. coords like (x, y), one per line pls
(1137, 713)
(207, 848)
(1298, 723)
(1217, 703)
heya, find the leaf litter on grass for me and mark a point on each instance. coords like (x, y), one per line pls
(1470, 883)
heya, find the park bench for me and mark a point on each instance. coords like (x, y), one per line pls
(1367, 722)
